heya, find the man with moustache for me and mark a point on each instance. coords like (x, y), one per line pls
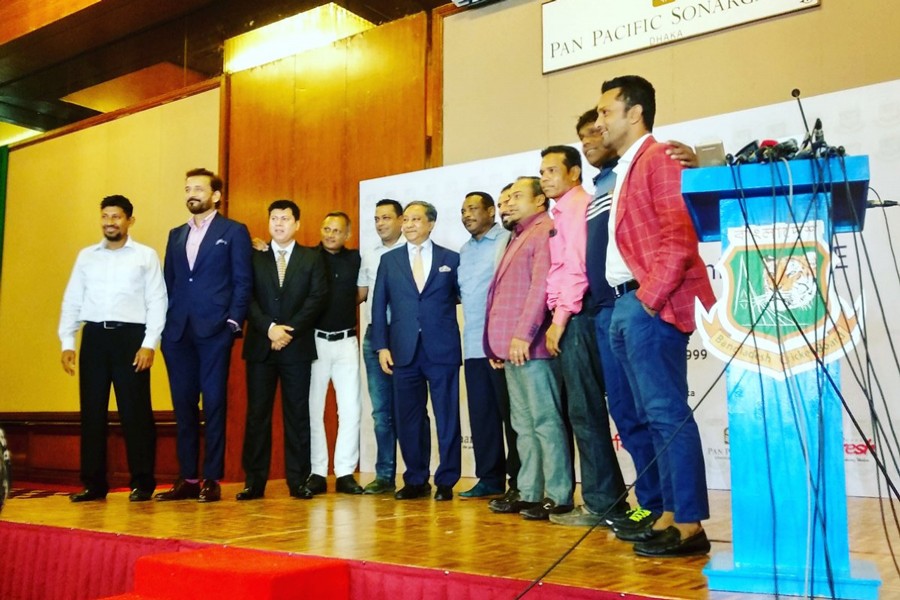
(388, 226)
(117, 291)
(516, 323)
(420, 347)
(654, 267)
(209, 277)
(571, 335)
(485, 387)
(338, 361)
(290, 290)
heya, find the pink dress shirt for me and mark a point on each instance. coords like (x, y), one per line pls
(567, 281)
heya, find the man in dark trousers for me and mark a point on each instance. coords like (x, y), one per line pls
(290, 290)
(117, 291)
(209, 279)
(421, 349)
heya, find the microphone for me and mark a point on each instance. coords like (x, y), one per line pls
(881, 203)
(796, 94)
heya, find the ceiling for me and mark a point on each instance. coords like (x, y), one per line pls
(48, 76)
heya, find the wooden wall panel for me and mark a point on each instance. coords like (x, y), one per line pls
(310, 127)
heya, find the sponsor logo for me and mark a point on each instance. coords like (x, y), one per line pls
(780, 314)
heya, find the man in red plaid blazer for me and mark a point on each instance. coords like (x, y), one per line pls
(654, 266)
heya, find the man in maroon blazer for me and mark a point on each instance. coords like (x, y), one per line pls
(654, 265)
(516, 322)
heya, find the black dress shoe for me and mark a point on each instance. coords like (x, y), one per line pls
(181, 490)
(444, 492)
(87, 495)
(639, 535)
(510, 507)
(303, 492)
(346, 484)
(412, 491)
(669, 544)
(139, 495)
(210, 492)
(248, 493)
(317, 484)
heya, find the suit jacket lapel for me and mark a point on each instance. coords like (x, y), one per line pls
(216, 227)
(437, 256)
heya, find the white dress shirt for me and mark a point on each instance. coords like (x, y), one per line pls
(617, 272)
(123, 285)
(427, 252)
(368, 270)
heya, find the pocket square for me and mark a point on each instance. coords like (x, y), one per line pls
(221, 241)
(444, 269)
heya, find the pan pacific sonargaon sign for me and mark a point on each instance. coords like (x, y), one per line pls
(582, 31)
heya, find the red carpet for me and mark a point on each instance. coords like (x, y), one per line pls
(42, 563)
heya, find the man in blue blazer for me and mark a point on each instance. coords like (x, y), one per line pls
(415, 331)
(209, 279)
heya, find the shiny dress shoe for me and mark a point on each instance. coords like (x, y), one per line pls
(379, 486)
(210, 492)
(181, 490)
(668, 544)
(444, 492)
(542, 511)
(317, 484)
(639, 535)
(412, 491)
(511, 495)
(87, 495)
(248, 493)
(482, 490)
(139, 495)
(302, 492)
(346, 484)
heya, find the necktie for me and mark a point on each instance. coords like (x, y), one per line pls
(418, 269)
(281, 265)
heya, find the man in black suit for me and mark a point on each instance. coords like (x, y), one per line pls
(420, 347)
(290, 289)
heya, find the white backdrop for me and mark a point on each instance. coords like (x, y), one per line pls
(863, 120)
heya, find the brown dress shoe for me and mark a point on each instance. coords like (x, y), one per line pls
(210, 492)
(181, 490)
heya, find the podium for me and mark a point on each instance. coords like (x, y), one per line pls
(781, 328)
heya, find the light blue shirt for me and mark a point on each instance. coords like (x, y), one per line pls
(478, 259)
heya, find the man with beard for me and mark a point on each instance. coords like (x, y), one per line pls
(209, 277)
(117, 291)
(515, 325)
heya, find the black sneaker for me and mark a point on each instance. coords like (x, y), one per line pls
(542, 511)
(635, 519)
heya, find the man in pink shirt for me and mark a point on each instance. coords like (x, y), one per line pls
(515, 325)
(572, 338)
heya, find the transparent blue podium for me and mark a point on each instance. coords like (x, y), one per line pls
(780, 327)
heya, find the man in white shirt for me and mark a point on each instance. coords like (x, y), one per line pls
(117, 291)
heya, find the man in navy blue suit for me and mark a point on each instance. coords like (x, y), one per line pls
(209, 278)
(415, 332)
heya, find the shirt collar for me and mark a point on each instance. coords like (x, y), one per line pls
(204, 223)
(426, 246)
(526, 223)
(606, 169)
(288, 249)
(628, 155)
(104, 244)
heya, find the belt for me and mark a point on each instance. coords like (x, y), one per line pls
(623, 288)
(333, 336)
(113, 324)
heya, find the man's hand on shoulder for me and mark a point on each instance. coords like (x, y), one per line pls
(143, 360)
(260, 245)
(682, 153)
(68, 361)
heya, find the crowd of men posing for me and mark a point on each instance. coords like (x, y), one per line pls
(594, 296)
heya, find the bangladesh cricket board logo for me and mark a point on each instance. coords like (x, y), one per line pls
(780, 315)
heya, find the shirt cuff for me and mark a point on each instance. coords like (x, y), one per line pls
(561, 317)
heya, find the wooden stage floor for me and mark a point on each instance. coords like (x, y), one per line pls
(462, 536)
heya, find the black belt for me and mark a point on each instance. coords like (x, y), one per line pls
(113, 324)
(623, 288)
(333, 336)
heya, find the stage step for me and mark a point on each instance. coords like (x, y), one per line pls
(237, 574)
